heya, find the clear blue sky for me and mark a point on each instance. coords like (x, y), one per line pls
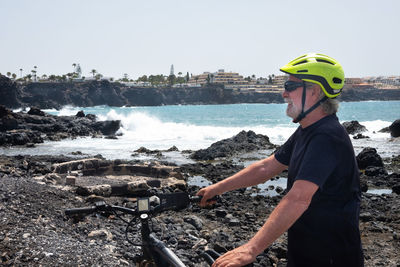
(146, 37)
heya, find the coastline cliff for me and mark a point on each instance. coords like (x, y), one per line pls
(93, 93)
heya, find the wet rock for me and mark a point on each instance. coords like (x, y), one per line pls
(353, 127)
(369, 157)
(107, 127)
(36, 126)
(80, 114)
(146, 150)
(242, 142)
(395, 128)
(360, 136)
(173, 148)
(36, 111)
(396, 189)
(375, 171)
(91, 117)
(279, 189)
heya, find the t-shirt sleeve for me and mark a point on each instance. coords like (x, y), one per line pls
(319, 160)
(284, 153)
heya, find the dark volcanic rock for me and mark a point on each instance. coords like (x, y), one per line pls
(93, 93)
(37, 233)
(107, 127)
(395, 128)
(9, 93)
(36, 111)
(375, 171)
(360, 136)
(242, 142)
(369, 157)
(80, 114)
(396, 189)
(353, 127)
(37, 126)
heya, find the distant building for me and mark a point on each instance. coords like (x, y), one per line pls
(219, 77)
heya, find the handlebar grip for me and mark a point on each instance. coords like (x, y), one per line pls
(85, 210)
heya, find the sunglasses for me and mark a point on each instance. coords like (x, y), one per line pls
(290, 86)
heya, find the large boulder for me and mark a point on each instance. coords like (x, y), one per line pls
(9, 93)
(242, 142)
(395, 128)
(36, 111)
(107, 127)
(353, 127)
(369, 157)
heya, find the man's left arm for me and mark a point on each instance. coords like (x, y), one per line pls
(289, 209)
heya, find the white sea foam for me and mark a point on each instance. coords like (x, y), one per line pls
(195, 127)
(65, 111)
(149, 131)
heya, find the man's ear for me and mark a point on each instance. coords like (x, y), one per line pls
(315, 90)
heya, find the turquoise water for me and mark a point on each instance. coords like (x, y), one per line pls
(198, 126)
(246, 115)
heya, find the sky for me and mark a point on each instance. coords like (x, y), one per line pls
(147, 37)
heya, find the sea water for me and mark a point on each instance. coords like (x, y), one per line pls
(193, 127)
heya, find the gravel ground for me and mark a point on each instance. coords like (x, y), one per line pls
(35, 232)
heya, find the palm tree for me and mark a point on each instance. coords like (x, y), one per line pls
(14, 76)
(21, 72)
(93, 71)
(34, 74)
(8, 74)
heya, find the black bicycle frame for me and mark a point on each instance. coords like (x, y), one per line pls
(155, 249)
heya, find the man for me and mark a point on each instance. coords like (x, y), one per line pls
(320, 210)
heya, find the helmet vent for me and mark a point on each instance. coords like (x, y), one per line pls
(324, 61)
(301, 62)
(337, 80)
(302, 71)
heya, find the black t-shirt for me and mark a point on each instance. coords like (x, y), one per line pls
(327, 233)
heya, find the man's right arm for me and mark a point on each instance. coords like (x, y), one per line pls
(256, 173)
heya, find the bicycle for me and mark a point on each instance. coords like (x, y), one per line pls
(154, 251)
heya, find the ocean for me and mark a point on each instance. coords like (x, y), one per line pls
(192, 127)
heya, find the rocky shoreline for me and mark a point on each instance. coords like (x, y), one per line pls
(47, 95)
(36, 126)
(34, 191)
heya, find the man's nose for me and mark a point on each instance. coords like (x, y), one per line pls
(285, 94)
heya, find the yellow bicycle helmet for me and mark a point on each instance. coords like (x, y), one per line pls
(320, 69)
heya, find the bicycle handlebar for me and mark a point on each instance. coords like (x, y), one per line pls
(172, 201)
(76, 211)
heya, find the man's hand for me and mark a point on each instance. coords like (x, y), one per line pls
(238, 257)
(207, 193)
